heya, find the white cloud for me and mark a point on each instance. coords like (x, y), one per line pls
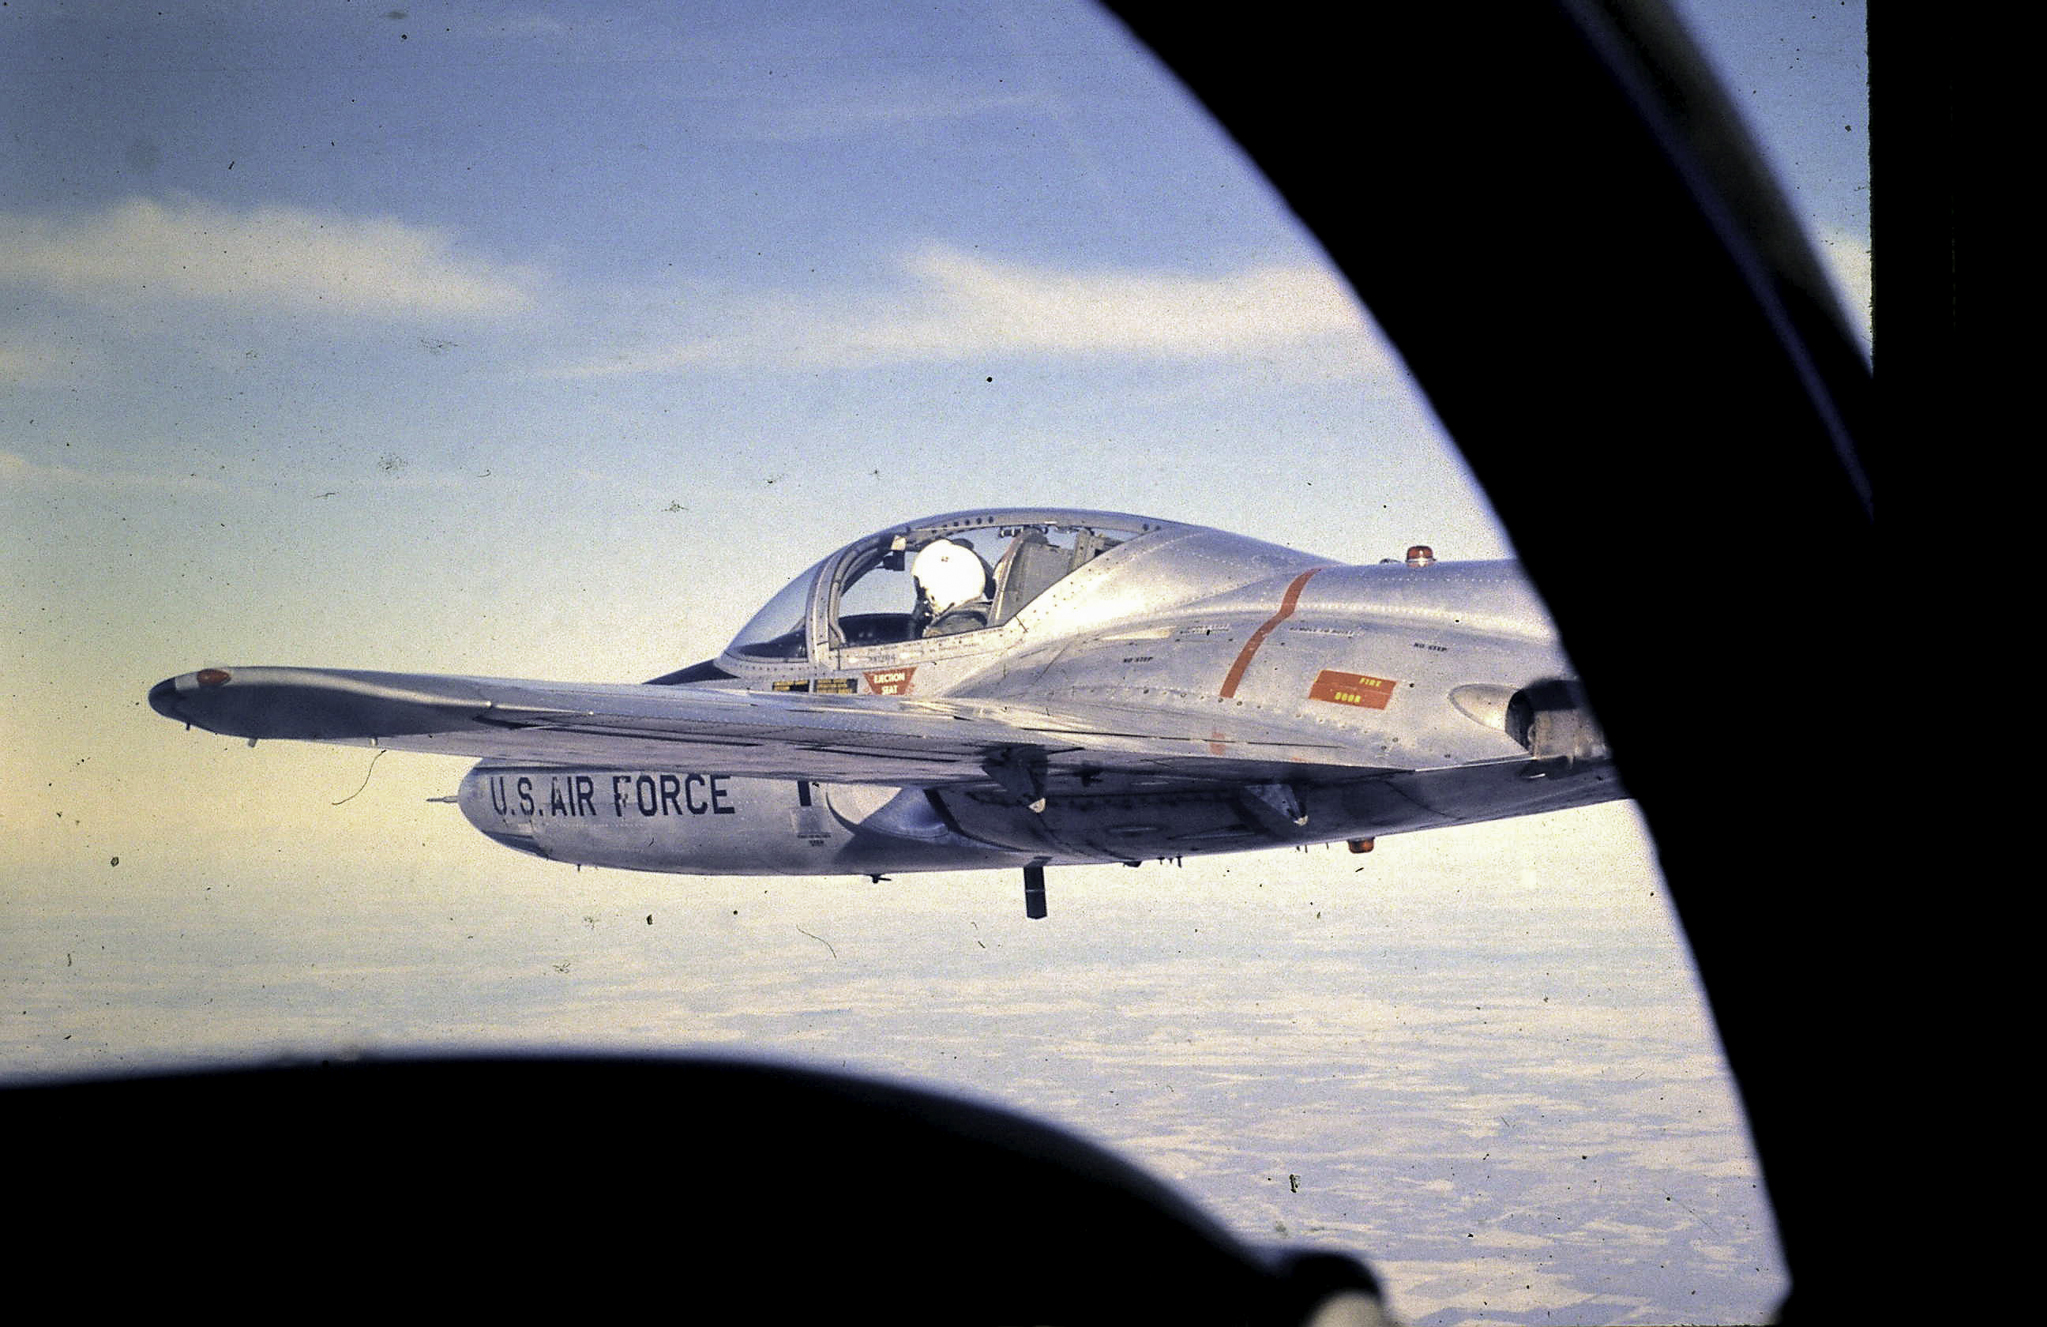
(23, 360)
(269, 257)
(955, 305)
(19, 472)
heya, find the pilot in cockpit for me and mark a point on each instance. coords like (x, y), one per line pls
(954, 587)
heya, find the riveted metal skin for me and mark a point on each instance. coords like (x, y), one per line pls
(1127, 689)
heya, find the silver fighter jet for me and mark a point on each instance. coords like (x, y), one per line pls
(1017, 689)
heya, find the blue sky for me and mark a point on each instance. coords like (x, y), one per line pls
(549, 341)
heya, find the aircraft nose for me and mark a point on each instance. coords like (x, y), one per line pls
(169, 696)
(163, 698)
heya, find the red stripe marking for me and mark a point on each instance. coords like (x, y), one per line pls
(1286, 610)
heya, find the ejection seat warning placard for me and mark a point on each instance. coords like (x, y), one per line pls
(890, 681)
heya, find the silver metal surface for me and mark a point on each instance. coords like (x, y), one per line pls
(1120, 689)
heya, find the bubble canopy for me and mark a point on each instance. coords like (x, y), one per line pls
(886, 588)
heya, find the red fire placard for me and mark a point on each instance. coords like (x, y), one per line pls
(1352, 689)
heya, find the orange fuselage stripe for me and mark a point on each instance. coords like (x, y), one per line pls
(1286, 610)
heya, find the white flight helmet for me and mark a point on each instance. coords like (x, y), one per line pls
(949, 574)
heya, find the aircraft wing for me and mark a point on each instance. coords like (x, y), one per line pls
(794, 735)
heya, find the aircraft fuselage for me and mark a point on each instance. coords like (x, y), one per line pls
(1088, 687)
(1410, 671)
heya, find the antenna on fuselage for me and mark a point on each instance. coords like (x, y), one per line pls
(1034, 889)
